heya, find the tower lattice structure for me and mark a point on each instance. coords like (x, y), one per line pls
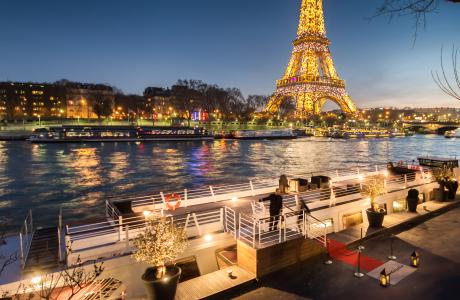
(310, 78)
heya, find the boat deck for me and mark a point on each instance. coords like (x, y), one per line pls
(214, 283)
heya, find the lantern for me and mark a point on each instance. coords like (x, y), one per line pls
(384, 278)
(415, 259)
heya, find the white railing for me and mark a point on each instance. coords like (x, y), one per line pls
(316, 229)
(92, 238)
(26, 235)
(230, 221)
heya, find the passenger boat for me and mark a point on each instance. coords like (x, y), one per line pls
(450, 134)
(264, 134)
(77, 134)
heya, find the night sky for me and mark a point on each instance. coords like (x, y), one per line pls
(239, 43)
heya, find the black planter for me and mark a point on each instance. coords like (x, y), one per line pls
(412, 200)
(452, 188)
(163, 288)
(412, 204)
(375, 218)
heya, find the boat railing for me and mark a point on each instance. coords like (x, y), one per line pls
(26, 235)
(315, 229)
(124, 230)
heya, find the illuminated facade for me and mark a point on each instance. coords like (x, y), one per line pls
(26, 100)
(310, 78)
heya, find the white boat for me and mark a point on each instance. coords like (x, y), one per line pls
(450, 134)
(264, 134)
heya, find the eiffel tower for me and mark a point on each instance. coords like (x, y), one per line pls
(310, 78)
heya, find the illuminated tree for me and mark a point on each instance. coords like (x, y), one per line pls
(374, 186)
(159, 244)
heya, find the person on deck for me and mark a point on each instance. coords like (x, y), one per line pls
(276, 205)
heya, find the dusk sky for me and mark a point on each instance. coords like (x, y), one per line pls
(239, 43)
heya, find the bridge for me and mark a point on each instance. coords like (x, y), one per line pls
(438, 127)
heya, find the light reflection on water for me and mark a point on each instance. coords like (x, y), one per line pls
(79, 177)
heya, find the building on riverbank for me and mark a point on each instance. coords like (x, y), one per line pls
(62, 99)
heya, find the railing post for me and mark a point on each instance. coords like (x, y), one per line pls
(252, 187)
(163, 199)
(59, 243)
(222, 218)
(212, 192)
(254, 234)
(127, 237)
(120, 227)
(405, 181)
(280, 228)
(196, 224)
(357, 169)
(239, 227)
(21, 249)
(337, 173)
(285, 226)
(185, 198)
(31, 221)
(296, 197)
(106, 209)
(376, 168)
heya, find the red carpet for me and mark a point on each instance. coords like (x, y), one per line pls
(339, 251)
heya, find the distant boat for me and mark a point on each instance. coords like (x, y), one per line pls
(264, 134)
(450, 134)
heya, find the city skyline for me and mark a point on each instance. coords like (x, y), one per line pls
(136, 45)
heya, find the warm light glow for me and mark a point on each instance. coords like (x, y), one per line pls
(208, 238)
(147, 213)
(36, 280)
(234, 199)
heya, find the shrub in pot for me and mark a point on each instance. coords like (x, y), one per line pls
(161, 243)
(373, 187)
(444, 176)
(412, 200)
(452, 187)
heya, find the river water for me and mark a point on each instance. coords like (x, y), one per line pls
(78, 177)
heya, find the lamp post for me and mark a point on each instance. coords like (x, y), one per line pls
(39, 120)
(415, 259)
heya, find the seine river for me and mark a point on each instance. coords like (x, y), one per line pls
(78, 177)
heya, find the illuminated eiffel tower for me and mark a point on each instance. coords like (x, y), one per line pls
(310, 78)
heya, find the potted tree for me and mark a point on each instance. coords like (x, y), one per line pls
(445, 178)
(373, 187)
(161, 243)
(412, 200)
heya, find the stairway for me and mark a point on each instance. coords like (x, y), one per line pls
(43, 253)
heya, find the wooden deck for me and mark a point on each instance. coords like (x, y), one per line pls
(213, 283)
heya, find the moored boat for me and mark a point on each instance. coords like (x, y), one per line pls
(77, 134)
(264, 134)
(450, 134)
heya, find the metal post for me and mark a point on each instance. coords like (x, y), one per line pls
(31, 221)
(254, 234)
(212, 192)
(120, 227)
(21, 249)
(252, 187)
(239, 228)
(279, 226)
(163, 199)
(357, 169)
(185, 198)
(392, 256)
(296, 197)
(328, 254)
(405, 181)
(127, 237)
(358, 273)
(59, 243)
(337, 173)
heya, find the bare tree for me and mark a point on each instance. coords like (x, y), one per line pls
(418, 9)
(6, 259)
(65, 284)
(448, 86)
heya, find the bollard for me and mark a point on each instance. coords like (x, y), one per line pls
(358, 273)
(328, 254)
(392, 256)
